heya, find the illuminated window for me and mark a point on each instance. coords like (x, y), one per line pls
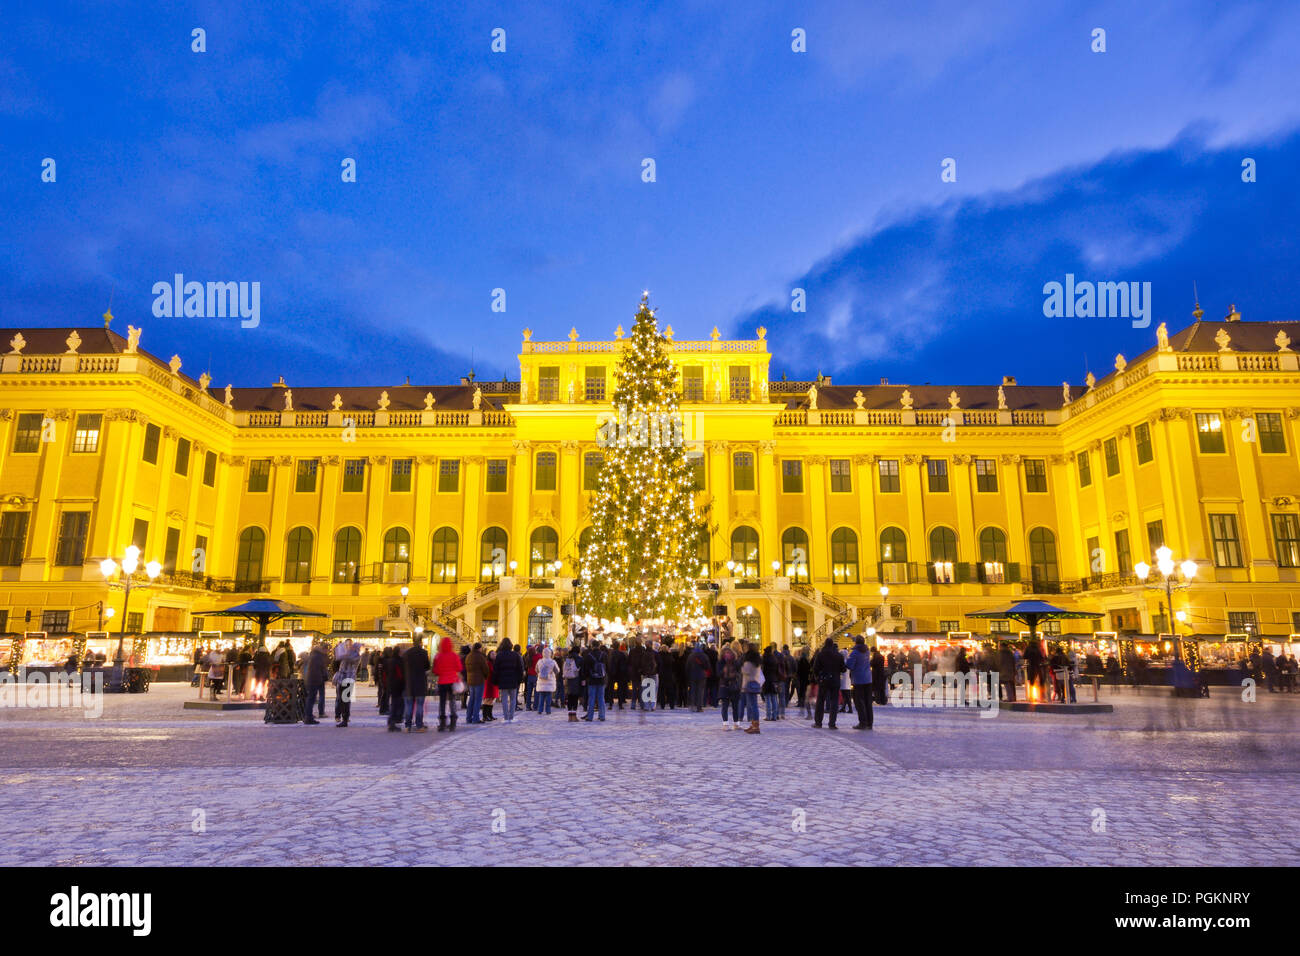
(1209, 433)
(297, 556)
(844, 556)
(86, 436)
(794, 555)
(446, 549)
(744, 552)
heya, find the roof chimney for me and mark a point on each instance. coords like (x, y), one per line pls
(1008, 380)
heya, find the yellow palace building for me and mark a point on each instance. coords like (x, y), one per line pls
(474, 496)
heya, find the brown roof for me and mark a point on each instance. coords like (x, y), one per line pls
(1019, 397)
(358, 398)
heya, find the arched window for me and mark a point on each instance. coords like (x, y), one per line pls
(1042, 556)
(943, 555)
(347, 556)
(397, 556)
(297, 556)
(248, 566)
(543, 552)
(893, 546)
(794, 555)
(446, 552)
(584, 542)
(492, 554)
(993, 555)
(702, 554)
(744, 552)
(844, 556)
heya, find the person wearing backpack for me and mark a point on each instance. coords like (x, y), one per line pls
(547, 671)
(596, 673)
(572, 682)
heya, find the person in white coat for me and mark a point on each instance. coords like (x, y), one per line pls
(547, 673)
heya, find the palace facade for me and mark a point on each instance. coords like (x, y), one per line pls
(474, 496)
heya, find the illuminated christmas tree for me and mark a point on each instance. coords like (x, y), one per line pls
(647, 534)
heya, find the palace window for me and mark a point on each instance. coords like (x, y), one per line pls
(1224, 538)
(397, 556)
(794, 555)
(1042, 556)
(492, 554)
(543, 552)
(943, 555)
(182, 456)
(993, 555)
(27, 436)
(297, 556)
(248, 560)
(1209, 433)
(936, 470)
(841, 476)
(693, 383)
(844, 556)
(595, 383)
(210, 469)
(744, 552)
(1286, 538)
(140, 533)
(152, 436)
(742, 471)
(1272, 437)
(544, 474)
(986, 474)
(695, 465)
(496, 475)
(343, 624)
(56, 622)
(399, 475)
(893, 546)
(887, 468)
(592, 462)
(354, 475)
(792, 476)
(1243, 622)
(172, 549)
(446, 550)
(259, 475)
(1035, 476)
(1084, 464)
(449, 475)
(71, 550)
(199, 557)
(347, 556)
(85, 438)
(739, 383)
(306, 481)
(1155, 538)
(548, 383)
(1110, 451)
(1123, 553)
(1142, 442)
(13, 538)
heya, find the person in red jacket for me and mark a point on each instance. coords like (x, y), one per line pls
(446, 670)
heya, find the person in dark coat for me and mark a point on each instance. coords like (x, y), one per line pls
(802, 676)
(595, 669)
(314, 674)
(618, 675)
(771, 682)
(415, 664)
(636, 671)
(395, 682)
(381, 680)
(667, 675)
(827, 667)
(261, 670)
(878, 677)
(711, 682)
(697, 674)
(508, 674)
(1007, 671)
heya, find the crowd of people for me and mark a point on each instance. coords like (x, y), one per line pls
(593, 676)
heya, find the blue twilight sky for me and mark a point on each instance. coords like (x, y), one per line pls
(522, 170)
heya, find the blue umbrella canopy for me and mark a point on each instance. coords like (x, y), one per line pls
(260, 606)
(1039, 609)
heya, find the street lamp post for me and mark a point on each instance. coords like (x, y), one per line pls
(1166, 566)
(884, 597)
(130, 564)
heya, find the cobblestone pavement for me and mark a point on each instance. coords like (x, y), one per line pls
(1176, 781)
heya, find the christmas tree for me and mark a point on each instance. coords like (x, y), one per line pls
(647, 533)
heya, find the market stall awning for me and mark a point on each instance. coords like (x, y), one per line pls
(263, 611)
(1030, 613)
